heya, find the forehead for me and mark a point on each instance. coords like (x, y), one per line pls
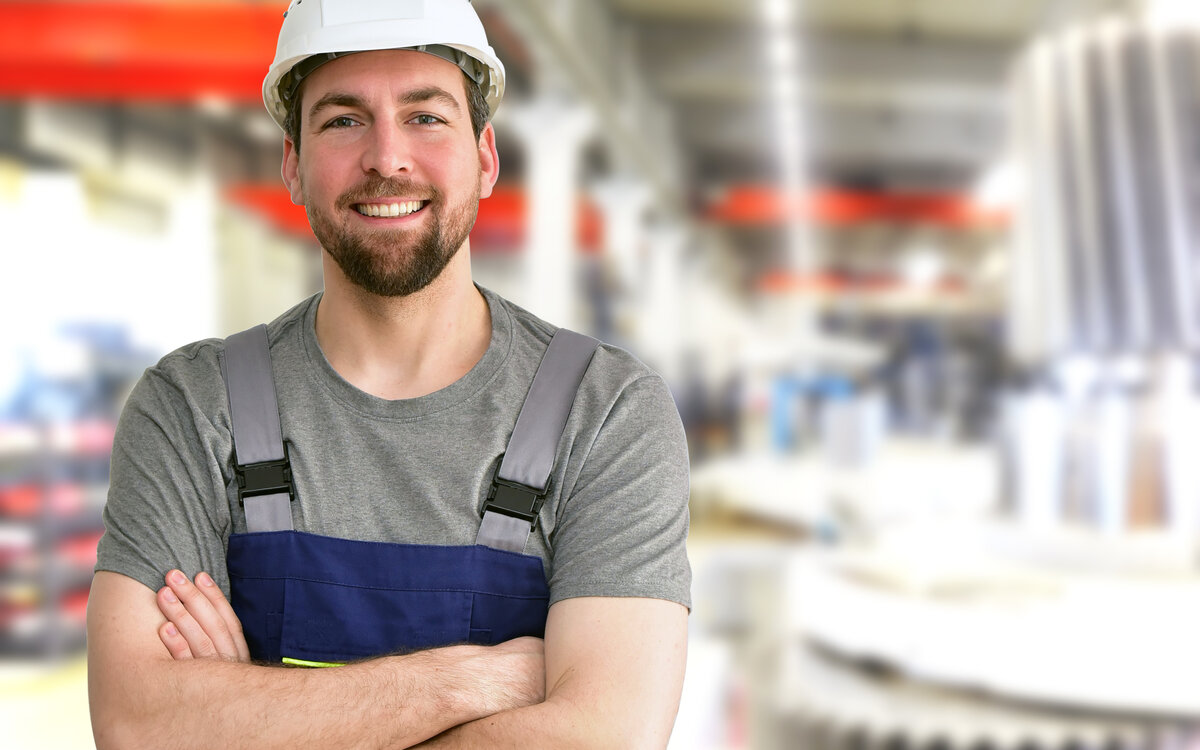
(380, 71)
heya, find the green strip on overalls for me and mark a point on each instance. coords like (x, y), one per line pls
(305, 663)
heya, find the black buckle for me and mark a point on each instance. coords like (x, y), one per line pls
(514, 499)
(265, 478)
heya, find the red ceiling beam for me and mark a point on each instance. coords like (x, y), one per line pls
(273, 203)
(834, 282)
(180, 51)
(763, 205)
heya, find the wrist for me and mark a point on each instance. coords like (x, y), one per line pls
(452, 677)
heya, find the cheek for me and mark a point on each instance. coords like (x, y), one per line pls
(321, 179)
(457, 169)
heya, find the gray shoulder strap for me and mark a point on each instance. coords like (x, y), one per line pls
(520, 483)
(260, 459)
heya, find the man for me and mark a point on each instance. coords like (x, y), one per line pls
(402, 391)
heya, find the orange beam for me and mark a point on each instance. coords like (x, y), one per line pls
(274, 203)
(766, 205)
(779, 281)
(502, 222)
(181, 51)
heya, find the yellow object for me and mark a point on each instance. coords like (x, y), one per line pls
(12, 176)
(304, 663)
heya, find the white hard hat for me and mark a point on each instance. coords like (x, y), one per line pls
(316, 31)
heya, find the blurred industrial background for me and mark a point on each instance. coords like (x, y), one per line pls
(922, 275)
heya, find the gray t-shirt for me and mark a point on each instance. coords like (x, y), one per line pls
(411, 471)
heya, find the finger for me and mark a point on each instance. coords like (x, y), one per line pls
(217, 599)
(215, 630)
(174, 641)
(197, 620)
(198, 642)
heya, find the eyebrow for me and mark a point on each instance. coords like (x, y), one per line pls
(431, 93)
(414, 96)
(334, 99)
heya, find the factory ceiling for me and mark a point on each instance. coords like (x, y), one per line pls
(897, 94)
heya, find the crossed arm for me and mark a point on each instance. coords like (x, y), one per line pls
(609, 674)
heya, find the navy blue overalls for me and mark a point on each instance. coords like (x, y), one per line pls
(315, 600)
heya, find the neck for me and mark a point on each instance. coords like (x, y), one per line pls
(404, 347)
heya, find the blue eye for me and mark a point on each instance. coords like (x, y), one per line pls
(341, 122)
(426, 120)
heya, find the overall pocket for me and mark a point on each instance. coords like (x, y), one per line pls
(332, 622)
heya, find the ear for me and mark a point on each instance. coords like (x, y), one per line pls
(291, 171)
(489, 161)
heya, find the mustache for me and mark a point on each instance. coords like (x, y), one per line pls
(378, 187)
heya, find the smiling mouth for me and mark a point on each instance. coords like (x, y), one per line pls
(401, 208)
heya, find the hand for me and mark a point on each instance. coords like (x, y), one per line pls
(200, 624)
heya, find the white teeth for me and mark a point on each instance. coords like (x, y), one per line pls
(404, 208)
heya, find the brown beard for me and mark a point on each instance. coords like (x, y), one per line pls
(391, 263)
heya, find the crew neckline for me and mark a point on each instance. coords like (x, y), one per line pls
(453, 395)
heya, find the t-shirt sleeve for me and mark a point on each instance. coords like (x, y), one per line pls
(623, 529)
(167, 505)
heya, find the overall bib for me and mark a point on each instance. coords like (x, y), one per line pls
(315, 600)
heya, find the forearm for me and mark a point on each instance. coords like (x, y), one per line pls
(394, 702)
(550, 725)
(614, 675)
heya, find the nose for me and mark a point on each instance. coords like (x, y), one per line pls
(387, 150)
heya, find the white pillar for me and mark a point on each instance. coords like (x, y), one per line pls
(662, 335)
(553, 132)
(623, 202)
